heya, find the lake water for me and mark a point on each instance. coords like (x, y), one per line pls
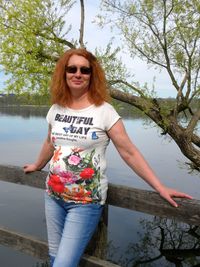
(134, 238)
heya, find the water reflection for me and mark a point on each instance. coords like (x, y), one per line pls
(163, 242)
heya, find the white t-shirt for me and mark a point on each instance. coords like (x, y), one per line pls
(77, 168)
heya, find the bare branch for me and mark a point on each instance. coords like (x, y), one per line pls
(149, 59)
(171, 9)
(165, 50)
(196, 140)
(113, 82)
(117, 8)
(184, 81)
(151, 24)
(194, 94)
(193, 122)
(42, 55)
(189, 82)
(82, 24)
(55, 38)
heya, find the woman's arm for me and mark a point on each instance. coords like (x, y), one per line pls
(45, 155)
(132, 156)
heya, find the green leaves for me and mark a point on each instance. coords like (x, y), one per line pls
(32, 35)
(113, 66)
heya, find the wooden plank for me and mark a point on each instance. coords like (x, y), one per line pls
(91, 261)
(150, 202)
(16, 175)
(118, 195)
(24, 243)
(39, 248)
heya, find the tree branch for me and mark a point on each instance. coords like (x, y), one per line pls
(149, 59)
(113, 82)
(55, 38)
(196, 140)
(196, 92)
(184, 81)
(38, 33)
(147, 105)
(193, 122)
(82, 24)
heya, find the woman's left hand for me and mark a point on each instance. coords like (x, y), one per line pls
(168, 193)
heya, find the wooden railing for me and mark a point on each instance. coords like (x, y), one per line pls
(118, 195)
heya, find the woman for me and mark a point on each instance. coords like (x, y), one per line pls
(81, 123)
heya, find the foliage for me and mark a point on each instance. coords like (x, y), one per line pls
(32, 36)
(115, 70)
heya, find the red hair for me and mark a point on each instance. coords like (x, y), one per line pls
(98, 89)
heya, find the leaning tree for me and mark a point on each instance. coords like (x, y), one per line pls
(165, 34)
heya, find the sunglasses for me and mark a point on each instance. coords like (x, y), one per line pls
(83, 70)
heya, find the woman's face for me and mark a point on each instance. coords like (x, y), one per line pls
(78, 74)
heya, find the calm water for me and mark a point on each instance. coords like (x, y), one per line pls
(134, 235)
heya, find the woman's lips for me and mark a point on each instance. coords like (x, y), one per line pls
(77, 82)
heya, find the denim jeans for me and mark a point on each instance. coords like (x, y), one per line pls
(70, 227)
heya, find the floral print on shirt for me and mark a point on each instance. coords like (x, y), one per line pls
(79, 181)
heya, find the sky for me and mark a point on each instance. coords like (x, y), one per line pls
(97, 37)
(94, 36)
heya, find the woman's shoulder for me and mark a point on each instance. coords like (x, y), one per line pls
(106, 111)
(55, 108)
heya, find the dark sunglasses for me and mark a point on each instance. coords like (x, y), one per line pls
(83, 70)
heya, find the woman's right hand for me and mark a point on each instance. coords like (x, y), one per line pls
(30, 168)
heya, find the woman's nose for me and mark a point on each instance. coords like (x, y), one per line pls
(78, 73)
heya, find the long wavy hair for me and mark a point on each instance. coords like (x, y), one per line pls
(98, 89)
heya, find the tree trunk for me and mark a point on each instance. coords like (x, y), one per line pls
(184, 142)
(168, 123)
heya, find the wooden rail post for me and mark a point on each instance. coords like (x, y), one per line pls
(98, 245)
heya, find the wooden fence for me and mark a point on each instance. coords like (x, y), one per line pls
(121, 196)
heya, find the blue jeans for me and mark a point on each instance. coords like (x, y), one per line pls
(70, 227)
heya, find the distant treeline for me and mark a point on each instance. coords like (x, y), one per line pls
(24, 99)
(24, 111)
(44, 101)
